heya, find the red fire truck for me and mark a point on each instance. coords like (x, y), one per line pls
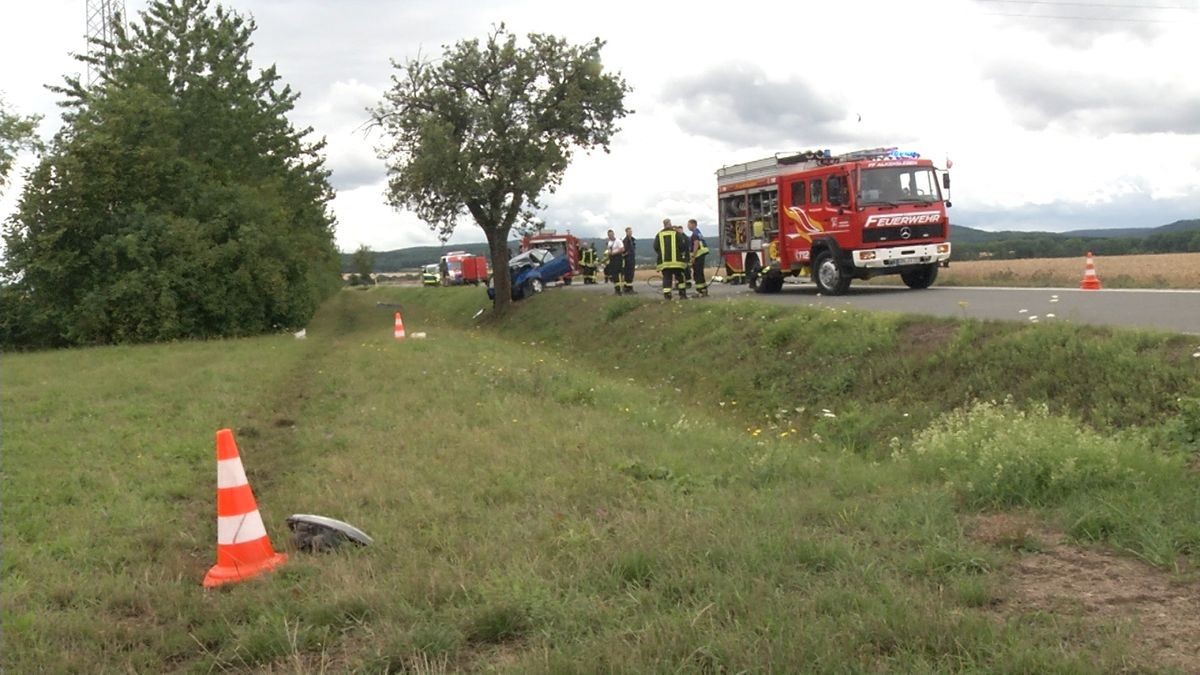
(558, 244)
(834, 218)
(463, 268)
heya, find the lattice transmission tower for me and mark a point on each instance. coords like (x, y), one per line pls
(101, 15)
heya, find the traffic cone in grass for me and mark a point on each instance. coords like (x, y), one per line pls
(399, 332)
(1090, 281)
(243, 549)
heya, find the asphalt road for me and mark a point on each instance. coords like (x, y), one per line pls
(1175, 311)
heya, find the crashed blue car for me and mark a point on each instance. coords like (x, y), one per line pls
(532, 271)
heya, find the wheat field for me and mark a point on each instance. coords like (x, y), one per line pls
(1165, 270)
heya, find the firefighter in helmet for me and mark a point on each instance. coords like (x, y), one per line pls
(587, 263)
(669, 251)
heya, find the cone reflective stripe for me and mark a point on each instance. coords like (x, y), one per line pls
(1090, 281)
(399, 332)
(243, 548)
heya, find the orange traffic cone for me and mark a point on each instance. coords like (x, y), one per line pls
(399, 332)
(243, 549)
(1090, 281)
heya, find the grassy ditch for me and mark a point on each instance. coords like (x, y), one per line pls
(591, 483)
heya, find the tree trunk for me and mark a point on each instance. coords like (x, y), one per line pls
(501, 280)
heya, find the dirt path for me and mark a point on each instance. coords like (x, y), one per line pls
(1162, 611)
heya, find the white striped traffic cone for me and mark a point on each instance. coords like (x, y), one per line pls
(1090, 282)
(243, 548)
(399, 332)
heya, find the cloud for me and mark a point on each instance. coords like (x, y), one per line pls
(738, 104)
(1043, 97)
(1079, 24)
(1128, 210)
(592, 214)
(354, 170)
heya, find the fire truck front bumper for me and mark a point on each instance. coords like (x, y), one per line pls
(901, 256)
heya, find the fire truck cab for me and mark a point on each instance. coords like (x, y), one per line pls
(834, 218)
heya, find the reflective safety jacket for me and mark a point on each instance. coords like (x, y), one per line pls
(588, 258)
(669, 250)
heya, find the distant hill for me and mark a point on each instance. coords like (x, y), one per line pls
(1182, 236)
(1179, 237)
(1177, 226)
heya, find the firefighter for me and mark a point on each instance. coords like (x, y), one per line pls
(616, 260)
(630, 245)
(669, 250)
(587, 263)
(687, 255)
(699, 249)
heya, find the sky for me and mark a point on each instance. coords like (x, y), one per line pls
(1057, 114)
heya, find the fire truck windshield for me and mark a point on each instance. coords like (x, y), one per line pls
(897, 185)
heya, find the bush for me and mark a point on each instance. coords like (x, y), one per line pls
(995, 455)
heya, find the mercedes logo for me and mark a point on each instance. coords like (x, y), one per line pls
(905, 233)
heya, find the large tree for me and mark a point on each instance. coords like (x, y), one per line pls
(17, 133)
(490, 127)
(176, 201)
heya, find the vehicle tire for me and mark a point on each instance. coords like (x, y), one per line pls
(770, 283)
(920, 278)
(831, 279)
(567, 281)
(752, 271)
(536, 285)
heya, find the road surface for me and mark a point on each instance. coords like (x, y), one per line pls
(1169, 310)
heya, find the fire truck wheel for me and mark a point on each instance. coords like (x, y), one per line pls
(769, 283)
(753, 270)
(920, 278)
(830, 278)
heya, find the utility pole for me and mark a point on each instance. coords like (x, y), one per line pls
(101, 15)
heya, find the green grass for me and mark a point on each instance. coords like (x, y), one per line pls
(590, 484)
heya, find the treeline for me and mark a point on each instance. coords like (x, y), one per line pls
(409, 259)
(1047, 245)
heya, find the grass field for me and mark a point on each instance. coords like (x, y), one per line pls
(598, 484)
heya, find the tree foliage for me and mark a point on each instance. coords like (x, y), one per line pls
(177, 200)
(363, 263)
(490, 127)
(17, 133)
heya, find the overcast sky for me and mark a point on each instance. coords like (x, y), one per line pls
(1057, 115)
